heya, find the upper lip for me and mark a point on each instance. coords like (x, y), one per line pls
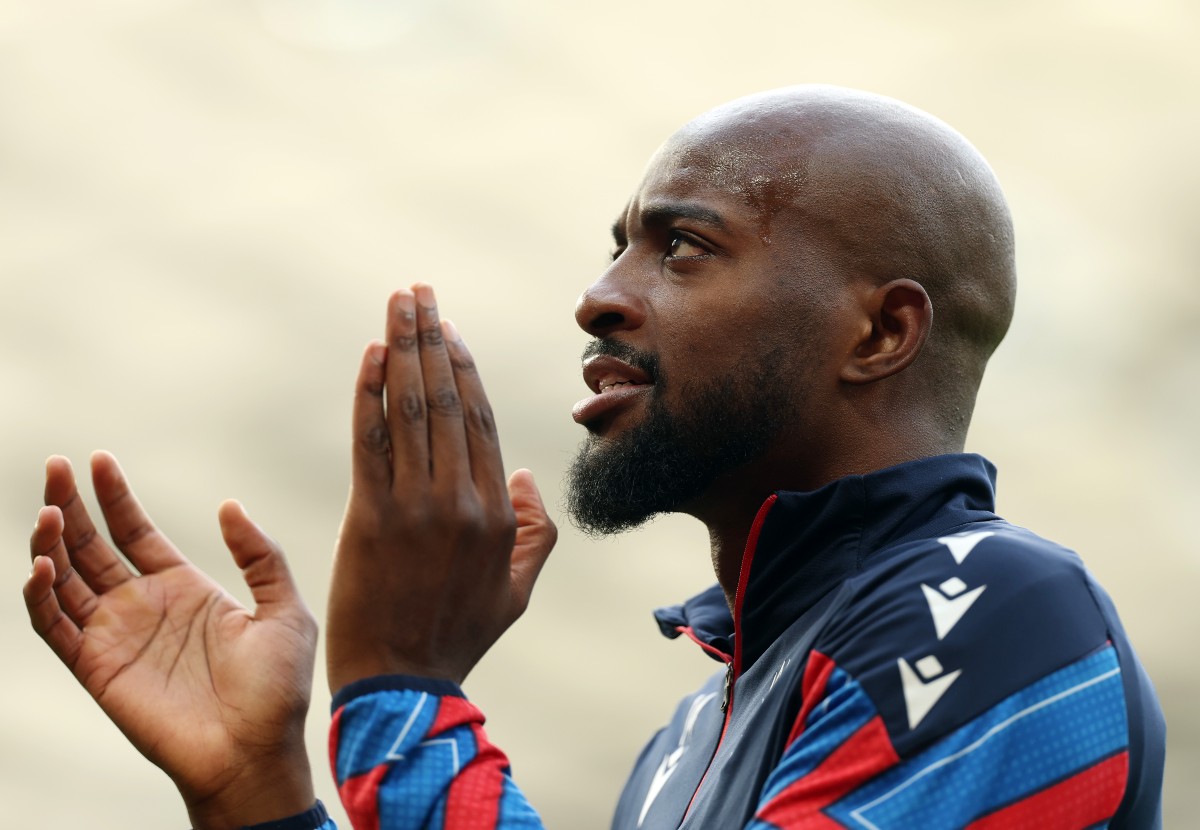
(602, 371)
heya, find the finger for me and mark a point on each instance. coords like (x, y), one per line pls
(483, 443)
(451, 463)
(47, 618)
(131, 529)
(405, 390)
(74, 595)
(91, 556)
(372, 448)
(261, 561)
(536, 533)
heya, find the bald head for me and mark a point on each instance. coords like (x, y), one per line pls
(806, 284)
(886, 191)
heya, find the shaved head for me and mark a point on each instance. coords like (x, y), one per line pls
(888, 192)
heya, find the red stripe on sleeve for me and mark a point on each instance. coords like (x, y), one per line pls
(861, 757)
(452, 712)
(812, 690)
(335, 729)
(360, 798)
(474, 799)
(1084, 799)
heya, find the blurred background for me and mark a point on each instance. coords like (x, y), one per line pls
(203, 207)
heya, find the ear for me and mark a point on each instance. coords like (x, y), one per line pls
(896, 321)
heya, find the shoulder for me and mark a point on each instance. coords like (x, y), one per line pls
(940, 630)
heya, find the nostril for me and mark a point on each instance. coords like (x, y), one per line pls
(607, 320)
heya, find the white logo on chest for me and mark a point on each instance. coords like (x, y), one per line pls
(667, 768)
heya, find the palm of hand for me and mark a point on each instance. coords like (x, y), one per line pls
(213, 694)
(184, 669)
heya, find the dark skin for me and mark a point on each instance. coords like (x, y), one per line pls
(818, 226)
(742, 222)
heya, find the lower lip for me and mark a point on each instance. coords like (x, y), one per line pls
(589, 409)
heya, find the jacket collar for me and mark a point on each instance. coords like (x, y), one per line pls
(804, 544)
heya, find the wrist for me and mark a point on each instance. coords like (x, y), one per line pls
(266, 790)
(346, 671)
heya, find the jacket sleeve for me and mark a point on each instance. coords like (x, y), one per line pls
(410, 752)
(1053, 755)
(314, 818)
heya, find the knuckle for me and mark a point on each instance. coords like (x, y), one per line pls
(462, 362)
(445, 401)
(110, 574)
(83, 539)
(481, 420)
(468, 512)
(411, 408)
(67, 574)
(506, 523)
(373, 387)
(402, 342)
(134, 535)
(431, 336)
(375, 440)
(403, 513)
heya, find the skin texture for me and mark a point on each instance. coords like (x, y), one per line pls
(861, 239)
(213, 694)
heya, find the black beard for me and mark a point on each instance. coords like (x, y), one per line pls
(669, 460)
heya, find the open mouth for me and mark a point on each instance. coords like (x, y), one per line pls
(609, 385)
(615, 385)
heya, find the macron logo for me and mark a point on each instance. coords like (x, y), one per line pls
(922, 692)
(948, 603)
(671, 761)
(962, 545)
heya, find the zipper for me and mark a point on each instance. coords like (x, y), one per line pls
(734, 666)
(728, 686)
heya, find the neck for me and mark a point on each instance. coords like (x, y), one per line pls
(728, 512)
(727, 547)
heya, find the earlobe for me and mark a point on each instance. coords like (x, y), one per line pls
(896, 320)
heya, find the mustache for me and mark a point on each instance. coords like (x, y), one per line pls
(637, 358)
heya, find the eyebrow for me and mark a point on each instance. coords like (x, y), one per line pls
(618, 231)
(662, 213)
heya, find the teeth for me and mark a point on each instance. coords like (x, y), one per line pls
(605, 385)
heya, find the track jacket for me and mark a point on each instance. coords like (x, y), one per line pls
(898, 657)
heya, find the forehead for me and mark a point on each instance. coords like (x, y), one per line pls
(732, 175)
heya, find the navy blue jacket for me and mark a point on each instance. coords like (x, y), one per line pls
(901, 657)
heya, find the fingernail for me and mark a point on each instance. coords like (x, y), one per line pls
(451, 331)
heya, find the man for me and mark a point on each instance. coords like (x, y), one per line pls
(804, 293)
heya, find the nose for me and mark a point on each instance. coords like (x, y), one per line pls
(609, 305)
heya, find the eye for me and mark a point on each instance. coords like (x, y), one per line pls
(682, 246)
(616, 252)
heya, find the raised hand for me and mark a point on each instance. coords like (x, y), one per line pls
(436, 557)
(213, 694)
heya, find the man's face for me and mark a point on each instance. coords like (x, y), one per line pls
(706, 347)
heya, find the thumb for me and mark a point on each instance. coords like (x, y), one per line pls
(536, 533)
(261, 560)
